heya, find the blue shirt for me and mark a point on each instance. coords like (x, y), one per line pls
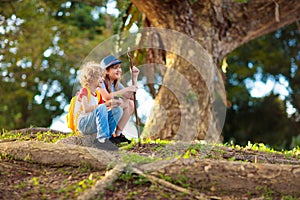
(113, 86)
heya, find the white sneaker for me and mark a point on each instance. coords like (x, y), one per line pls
(101, 140)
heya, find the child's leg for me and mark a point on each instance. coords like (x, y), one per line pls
(102, 122)
(127, 112)
(114, 116)
(87, 124)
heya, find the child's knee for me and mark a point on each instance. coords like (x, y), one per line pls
(101, 110)
(117, 112)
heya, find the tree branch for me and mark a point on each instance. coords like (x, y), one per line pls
(100, 185)
(169, 185)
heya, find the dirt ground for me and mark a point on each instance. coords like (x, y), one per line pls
(24, 180)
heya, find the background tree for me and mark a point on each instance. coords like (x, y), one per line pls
(43, 43)
(274, 58)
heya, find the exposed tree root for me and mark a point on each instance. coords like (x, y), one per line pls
(199, 178)
(257, 156)
(235, 177)
(57, 155)
(100, 185)
(155, 166)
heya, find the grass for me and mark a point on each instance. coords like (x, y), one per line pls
(134, 143)
(80, 186)
(179, 179)
(194, 150)
(8, 136)
(135, 158)
(295, 152)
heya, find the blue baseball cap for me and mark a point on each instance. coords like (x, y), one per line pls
(109, 61)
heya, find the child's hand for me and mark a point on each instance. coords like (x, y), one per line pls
(132, 88)
(135, 70)
(113, 103)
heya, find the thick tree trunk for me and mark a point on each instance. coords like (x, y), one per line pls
(183, 105)
(219, 26)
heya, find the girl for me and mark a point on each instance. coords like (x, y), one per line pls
(93, 118)
(111, 88)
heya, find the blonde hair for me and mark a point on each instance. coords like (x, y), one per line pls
(89, 72)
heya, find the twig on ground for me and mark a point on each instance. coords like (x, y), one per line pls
(169, 185)
(101, 184)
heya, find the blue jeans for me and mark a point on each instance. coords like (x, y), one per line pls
(100, 121)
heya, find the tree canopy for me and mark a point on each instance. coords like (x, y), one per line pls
(43, 44)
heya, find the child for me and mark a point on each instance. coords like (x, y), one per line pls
(93, 118)
(111, 87)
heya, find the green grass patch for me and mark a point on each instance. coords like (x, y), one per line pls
(5, 156)
(179, 179)
(295, 152)
(77, 188)
(8, 136)
(129, 146)
(135, 158)
(134, 143)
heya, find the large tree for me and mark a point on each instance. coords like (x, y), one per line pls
(220, 27)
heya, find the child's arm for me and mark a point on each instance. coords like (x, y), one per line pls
(83, 98)
(135, 72)
(112, 103)
(85, 105)
(89, 108)
(126, 92)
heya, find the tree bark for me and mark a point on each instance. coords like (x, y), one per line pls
(183, 105)
(219, 26)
